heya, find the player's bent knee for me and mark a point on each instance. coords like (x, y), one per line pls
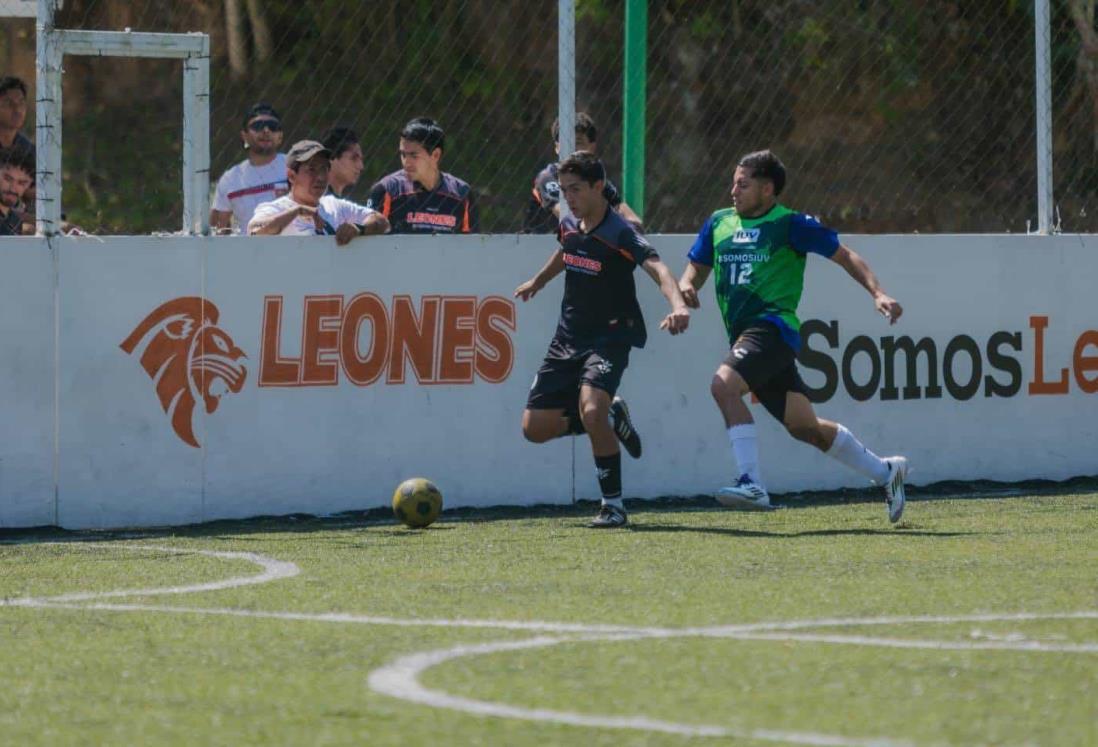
(722, 389)
(535, 429)
(593, 413)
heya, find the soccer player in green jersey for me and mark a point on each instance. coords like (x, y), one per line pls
(757, 250)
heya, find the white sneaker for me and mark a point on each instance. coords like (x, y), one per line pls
(746, 494)
(894, 488)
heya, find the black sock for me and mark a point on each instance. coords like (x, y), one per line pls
(609, 469)
(575, 425)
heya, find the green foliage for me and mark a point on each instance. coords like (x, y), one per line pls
(883, 110)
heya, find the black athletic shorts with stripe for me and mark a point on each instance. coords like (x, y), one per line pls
(565, 369)
(768, 365)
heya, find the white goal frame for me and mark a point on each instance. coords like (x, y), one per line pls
(193, 49)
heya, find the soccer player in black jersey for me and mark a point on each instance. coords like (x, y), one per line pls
(600, 321)
(421, 198)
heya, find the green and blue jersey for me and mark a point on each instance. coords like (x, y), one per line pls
(758, 265)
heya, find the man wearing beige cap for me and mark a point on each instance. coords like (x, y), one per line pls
(307, 211)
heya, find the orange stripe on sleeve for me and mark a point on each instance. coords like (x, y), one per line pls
(465, 220)
(387, 205)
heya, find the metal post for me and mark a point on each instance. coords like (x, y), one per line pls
(1043, 99)
(190, 220)
(566, 82)
(636, 92)
(48, 123)
(200, 111)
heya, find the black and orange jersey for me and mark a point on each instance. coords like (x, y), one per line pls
(545, 195)
(412, 208)
(600, 300)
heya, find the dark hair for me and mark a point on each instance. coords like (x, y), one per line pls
(339, 139)
(255, 110)
(584, 126)
(18, 159)
(586, 166)
(8, 82)
(765, 165)
(426, 132)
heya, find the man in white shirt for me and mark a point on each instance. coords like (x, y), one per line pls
(307, 210)
(261, 177)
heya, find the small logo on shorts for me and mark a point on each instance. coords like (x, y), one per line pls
(740, 353)
(603, 367)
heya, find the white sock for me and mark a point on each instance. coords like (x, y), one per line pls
(746, 450)
(850, 451)
(615, 502)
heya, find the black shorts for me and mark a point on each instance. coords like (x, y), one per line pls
(768, 365)
(565, 369)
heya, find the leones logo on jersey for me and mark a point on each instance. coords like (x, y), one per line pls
(188, 357)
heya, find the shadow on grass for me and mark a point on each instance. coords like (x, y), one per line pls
(382, 517)
(731, 532)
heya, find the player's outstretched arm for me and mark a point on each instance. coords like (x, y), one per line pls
(679, 318)
(693, 278)
(858, 269)
(552, 268)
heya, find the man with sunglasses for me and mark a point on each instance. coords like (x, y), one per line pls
(261, 177)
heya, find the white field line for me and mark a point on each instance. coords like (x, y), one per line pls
(273, 570)
(860, 640)
(400, 679)
(768, 631)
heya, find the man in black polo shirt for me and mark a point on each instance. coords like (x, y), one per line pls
(600, 321)
(543, 208)
(421, 198)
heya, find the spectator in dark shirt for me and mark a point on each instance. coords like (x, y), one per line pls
(13, 115)
(421, 198)
(543, 209)
(346, 152)
(16, 177)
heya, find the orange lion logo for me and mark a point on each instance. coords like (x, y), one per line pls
(187, 356)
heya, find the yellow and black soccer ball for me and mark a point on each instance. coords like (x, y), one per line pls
(417, 502)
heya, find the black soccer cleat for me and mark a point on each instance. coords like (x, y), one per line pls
(623, 427)
(609, 517)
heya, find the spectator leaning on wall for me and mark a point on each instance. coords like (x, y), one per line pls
(16, 177)
(307, 210)
(261, 177)
(421, 198)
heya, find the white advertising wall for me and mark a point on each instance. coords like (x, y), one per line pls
(171, 380)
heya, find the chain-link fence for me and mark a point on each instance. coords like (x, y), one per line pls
(891, 115)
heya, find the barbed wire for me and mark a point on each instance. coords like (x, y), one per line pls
(891, 116)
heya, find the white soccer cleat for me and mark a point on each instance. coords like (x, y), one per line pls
(609, 517)
(746, 494)
(894, 488)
